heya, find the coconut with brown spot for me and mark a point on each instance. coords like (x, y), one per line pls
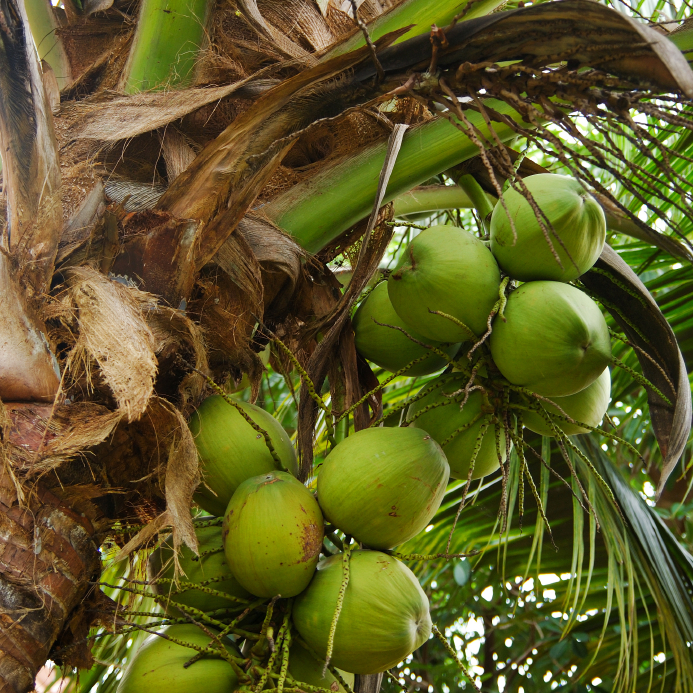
(273, 531)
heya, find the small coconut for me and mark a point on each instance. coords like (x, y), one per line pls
(389, 348)
(157, 666)
(306, 668)
(382, 486)
(445, 269)
(554, 341)
(587, 406)
(446, 417)
(384, 616)
(209, 565)
(231, 450)
(576, 217)
(273, 531)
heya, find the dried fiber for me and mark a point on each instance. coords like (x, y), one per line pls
(113, 331)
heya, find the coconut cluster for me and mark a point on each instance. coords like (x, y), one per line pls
(549, 338)
(377, 488)
(360, 608)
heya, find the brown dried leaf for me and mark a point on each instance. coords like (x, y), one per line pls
(114, 332)
(371, 252)
(637, 309)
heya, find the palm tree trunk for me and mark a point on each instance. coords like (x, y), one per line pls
(48, 557)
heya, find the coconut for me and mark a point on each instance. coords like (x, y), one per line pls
(231, 450)
(305, 667)
(210, 565)
(384, 616)
(389, 348)
(273, 531)
(449, 270)
(587, 406)
(157, 666)
(447, 417)
(554, 341)
(382, 486)
(576, 217)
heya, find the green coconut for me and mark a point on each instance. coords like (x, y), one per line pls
(273, 531)
(305, 667)
(587, 406)
(576, 217)
(382, 486)
(445, 269)
(389, 348)
(384, 616)
(231, 450)
(157, 666)
(554, 341)
(209, 566)
(446, 417)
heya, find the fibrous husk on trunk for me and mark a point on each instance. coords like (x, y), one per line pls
(113, 332)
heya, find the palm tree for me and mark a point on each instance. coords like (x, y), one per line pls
(180, 180)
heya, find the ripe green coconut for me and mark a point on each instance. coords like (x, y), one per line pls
(382, 486)
(305, 667)
(157, 666)
(231, 450)
(273, 531)
(449, 270)
(384, 616)
(555, 340)
(576, 217)
(389, 348)
(587, 406)
(210, 565)
(447, 417)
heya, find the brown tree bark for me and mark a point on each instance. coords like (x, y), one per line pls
(48, 557)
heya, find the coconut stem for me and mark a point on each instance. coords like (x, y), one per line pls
(273, 656)
(457, 322)
(498, 309)
(459, 430)
(568, 419)
(486, 422)
(346, 558)
(265, 631)
(627, 342)
(286, 644)
(401, 222)
(453, 654)
(214, 522)
(524, 469)
(398, 407)
(310, 386)
(204, 554)
(479, 199)
(435, 350)
(333, 670)
(612, 308)
(396, 681)
(641, 379)
(385, 382)
(431, 556)
(183, 586)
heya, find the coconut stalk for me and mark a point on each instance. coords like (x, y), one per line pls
(431, 198)
(50, 47)
(316, 211)
(420, 14)
(166, 46)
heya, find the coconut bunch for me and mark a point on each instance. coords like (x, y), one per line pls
(293, 584)
(522, 344)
